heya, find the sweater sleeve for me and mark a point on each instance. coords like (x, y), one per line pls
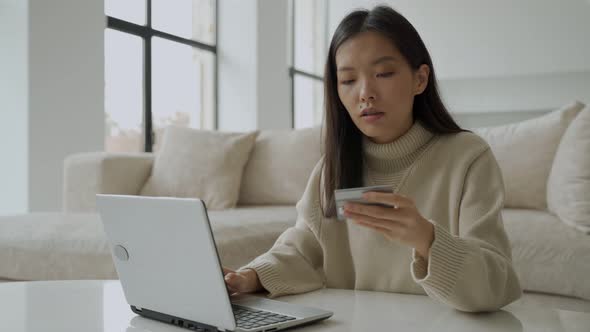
(472, 270)
(294, 264)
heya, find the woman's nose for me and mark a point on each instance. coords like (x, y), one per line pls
(367, 92)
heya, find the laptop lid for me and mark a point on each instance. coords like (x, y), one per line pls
(181, 275)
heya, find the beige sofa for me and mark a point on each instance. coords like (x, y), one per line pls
(549, 255)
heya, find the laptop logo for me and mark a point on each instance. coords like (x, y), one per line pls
(121, 253)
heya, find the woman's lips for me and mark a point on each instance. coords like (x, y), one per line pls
(372, 118)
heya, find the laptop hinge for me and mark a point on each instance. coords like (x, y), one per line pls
(174, 320)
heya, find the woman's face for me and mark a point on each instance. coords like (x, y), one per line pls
(377, 86)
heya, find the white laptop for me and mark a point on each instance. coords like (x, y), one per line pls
(164, 252)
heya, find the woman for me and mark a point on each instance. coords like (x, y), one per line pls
(386, 124)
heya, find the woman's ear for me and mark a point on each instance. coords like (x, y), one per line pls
(421, 79)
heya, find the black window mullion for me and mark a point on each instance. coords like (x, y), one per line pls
(148, 31)
(147, 119)
(147, 72)
(193, 43)
(307, 74)
(127, 27)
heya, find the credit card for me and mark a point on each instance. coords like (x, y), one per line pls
(355, 195)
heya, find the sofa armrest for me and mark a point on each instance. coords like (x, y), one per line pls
(88, 174)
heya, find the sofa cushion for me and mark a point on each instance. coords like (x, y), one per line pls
(200, 164)
(51, 246)
(568, 187)
(245, 233)
(48, 246)
(548, 256)
(525, 152)
(279, 166)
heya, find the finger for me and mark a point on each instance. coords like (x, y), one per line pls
(378, 212)
(231, 280)
(236, 281)
(395, 200)
(370, 225)
(230, 289)
(226, 271)
(232, 292)
(377, 222)
(368, 210)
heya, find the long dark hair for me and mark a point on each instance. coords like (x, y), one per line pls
(343, 156)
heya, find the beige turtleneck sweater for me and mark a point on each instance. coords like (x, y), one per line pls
(455, 183)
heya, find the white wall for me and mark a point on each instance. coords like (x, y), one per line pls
(273, 65)
(253, 65)
(66, 60)
(13, 106)
(475, 38)
(56, 106)
(236, 44)
(501, 56)
(533, 37)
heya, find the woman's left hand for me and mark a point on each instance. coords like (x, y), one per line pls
(402, 222)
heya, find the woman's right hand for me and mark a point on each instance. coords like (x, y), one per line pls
(245, 281)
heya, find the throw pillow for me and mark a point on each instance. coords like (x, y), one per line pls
(200, 164)
(548, 256)
(525, 152)
(280, 165)
(568, 188)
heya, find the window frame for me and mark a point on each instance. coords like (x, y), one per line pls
(147, 32)
(293, 71)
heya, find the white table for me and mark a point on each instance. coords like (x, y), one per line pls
(99, 306)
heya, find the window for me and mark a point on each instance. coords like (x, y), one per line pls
(160, 70)
(309, 45)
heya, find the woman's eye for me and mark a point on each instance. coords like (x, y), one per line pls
(347, 82)
(387, 74)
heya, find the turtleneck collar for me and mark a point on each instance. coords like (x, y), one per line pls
(397, 154)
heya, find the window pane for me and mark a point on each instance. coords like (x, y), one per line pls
(309, 101)
(311, 42)
(129, 10)
(190, 19)
(123, 92)
(182, 86)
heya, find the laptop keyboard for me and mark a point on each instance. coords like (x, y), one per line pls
(249, 318)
